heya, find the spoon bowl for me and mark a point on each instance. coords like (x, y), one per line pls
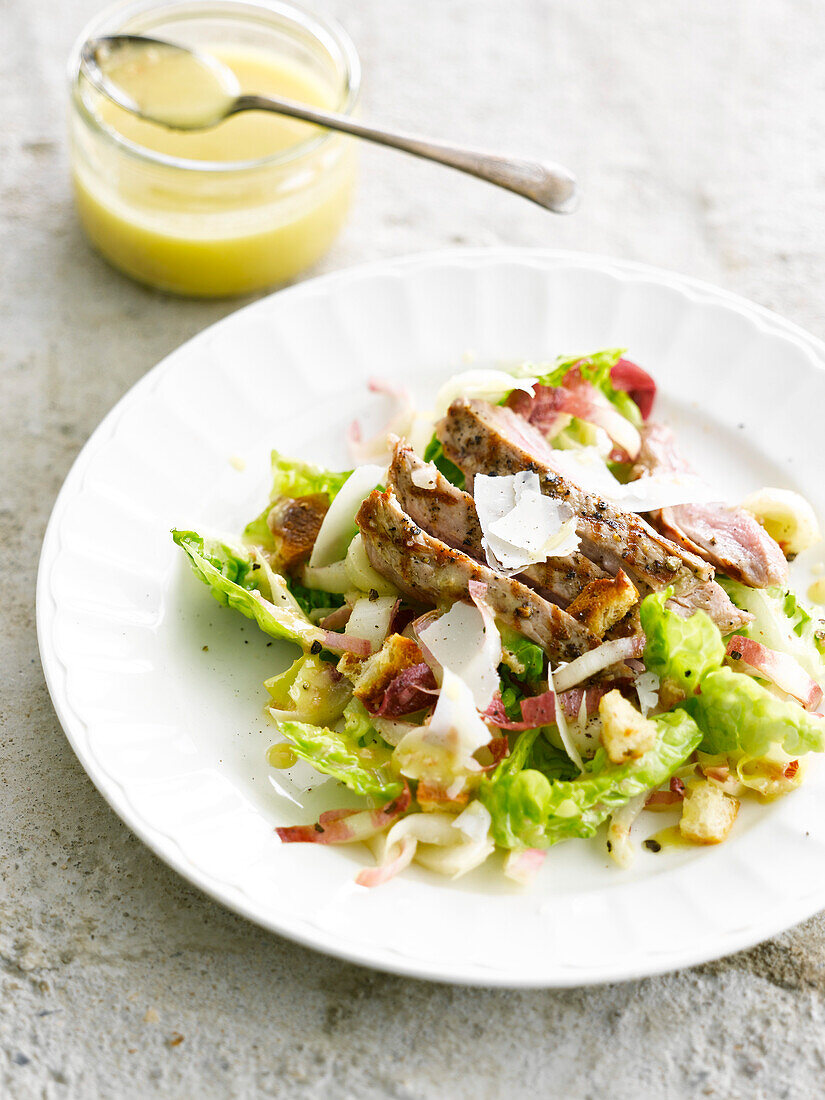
(160, 81)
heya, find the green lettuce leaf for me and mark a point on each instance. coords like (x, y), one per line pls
(522, 665)
(363, 770)
(311, 599)
(682, 650)
(523, 658)
(530, 810)
(259, 594)
(292, 478)
(780, 622)
(737, 713)
(434, 453)
(552, 762)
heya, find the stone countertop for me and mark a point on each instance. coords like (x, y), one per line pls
(698, 130)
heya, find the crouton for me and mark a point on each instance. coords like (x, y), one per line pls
(708, 813)
(602, 603)
(626, 735)
(295, 523)
(370, 675)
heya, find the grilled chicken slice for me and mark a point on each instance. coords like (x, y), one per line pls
(431, 572)
(714, 600)
(295, 523)
(450, 514)
(729, 538)
(489, 439)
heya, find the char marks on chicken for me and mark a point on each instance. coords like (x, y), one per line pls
(429, 571)
(487, 439)
(449, 514)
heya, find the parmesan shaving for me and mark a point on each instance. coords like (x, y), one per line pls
(441, 752)
(586, 468)
(462, 642)
(521, 526)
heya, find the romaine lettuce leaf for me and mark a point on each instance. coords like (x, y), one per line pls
(522, 664)
(311, 599)
(529, 810)
(552, 762)
(782, 623)
(523, 658)
(358, 724)
(682, 650)
(363, 770)
(292, 478)
(737, 713)
(228, 572)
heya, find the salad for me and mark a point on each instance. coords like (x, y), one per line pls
(522, 618)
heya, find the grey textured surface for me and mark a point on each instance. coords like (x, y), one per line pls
(698, 129)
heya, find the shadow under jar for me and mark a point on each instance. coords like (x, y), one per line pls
(245, 205)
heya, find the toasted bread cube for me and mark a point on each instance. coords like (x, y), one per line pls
(626, 735)
(708, 814)
(602, 603)
(371, 675)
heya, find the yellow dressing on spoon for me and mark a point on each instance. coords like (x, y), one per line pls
(170, 86)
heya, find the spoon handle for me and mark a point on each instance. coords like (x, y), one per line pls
(549, 185)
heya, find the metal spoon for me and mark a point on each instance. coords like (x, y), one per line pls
(214, 94)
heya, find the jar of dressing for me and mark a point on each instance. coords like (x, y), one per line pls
(246, 204)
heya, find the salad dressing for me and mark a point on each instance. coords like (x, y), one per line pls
(220, 219)
(816, 592)
(667, 839)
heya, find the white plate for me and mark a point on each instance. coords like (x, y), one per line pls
(172, 734)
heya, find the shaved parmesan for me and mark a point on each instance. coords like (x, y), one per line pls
(648, 494)
(464, 643)
(586, 468)
(338, 527)
(441, 751)
(521, 526)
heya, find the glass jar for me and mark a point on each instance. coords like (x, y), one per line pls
(214, 228)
